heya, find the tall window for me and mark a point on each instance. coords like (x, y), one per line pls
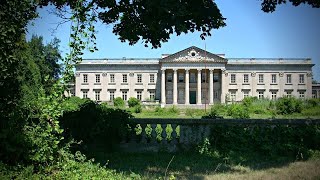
(261, 94)
(152, 95)
(261, 78)
(288, 93)
(301, 94)
(181, 77)
(111, 95)
(301, 78)
(245, 94)
(97, 78)
(139, 78)
(124, 78)
(203, 77)
(181, 94)
(273, 78)
(169, 77)
(215, 94)
(288, 78)
(84, 94)
(273, 95)
(124, 95)
(193, 77)
(151, 78)
(112, 78)
(233, 78)
(232, 95)
(97, 95)
(246, 78)
(139, 95)
(215, 77)
(85, 78)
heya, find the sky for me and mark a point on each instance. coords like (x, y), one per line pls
(289, 32)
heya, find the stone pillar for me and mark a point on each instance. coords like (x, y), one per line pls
(163, 87)
(224, 88)
(199, 87)
(211, 87)
(187, 101)
(175, 87)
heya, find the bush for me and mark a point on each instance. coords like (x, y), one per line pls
(173, 110)
(288, 105)
(213, 113)
(247, 101)
(238, 111)
(137, 108)
(132, 102)
(118, 102)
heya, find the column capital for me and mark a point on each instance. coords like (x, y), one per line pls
(211, 70)
(175, 70)
(163, 69)
(187, 69)
(199, 69)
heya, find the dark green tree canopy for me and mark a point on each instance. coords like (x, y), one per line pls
(270, 5)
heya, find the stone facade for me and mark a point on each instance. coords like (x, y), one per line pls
(193, 77)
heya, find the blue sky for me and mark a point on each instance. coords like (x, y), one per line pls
(289, 32)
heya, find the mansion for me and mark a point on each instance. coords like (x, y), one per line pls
(193, 77)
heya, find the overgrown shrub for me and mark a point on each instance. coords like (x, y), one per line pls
(133, 102)
(94, 123)
(247, 101)
(173, 110)
(118, 102)
(137, 108)
(212, 114)
(238, 111)
(288, 105)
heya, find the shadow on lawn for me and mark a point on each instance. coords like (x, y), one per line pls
(189, 165)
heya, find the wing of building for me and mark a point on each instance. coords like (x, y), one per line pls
(193, 77)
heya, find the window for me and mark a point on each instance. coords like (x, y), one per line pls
(261, 78)
(169, 77)
(84, 94)
(204, 77)
(288, 78)
(97, 95)
(181, 77)
(139, 95)
(301, 94)
(301, 78)
(314, 94)
(246, 78)
(151, 78)
(273, 78)
(97, 78)
(273, 95)
(152, 95)
(85, 78)
(169, 94)
(245, 94)
(233, 78)
(215, 77)
(124, 95)
(124, 78)
(139, 78)
(193, 77)
(260, 94)
(112, 78)
(288, 93)
(215, 94)
(111, 95)
(181, 94)
(232, 95)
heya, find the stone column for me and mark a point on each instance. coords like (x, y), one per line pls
(187, 101)
(211, 87)
(199, 87)
(224, 74)
(163, 87)
(175, 85)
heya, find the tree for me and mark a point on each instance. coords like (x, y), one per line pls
(270, 5)
(46, 57)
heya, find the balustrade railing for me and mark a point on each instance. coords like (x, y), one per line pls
(152, 134)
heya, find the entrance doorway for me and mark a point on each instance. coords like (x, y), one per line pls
(192, 97)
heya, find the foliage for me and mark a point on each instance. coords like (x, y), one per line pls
(118, 102)
(288, 105)
(173, 110)
(247, 101)
(269, 140)
(94, 123)
(270, 6)
(238, 111)
(133, 102)
(137, 108)
(213, 113)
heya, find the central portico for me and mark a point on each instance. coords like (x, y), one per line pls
(192, 76)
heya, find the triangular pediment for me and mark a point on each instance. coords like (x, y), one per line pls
(193, 54)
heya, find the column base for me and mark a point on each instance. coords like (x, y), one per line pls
(162, 105)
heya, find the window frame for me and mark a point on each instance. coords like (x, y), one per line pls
(111, 95)
(85, 78)
(139, 95)
(139, 78)
(112, 78)
(246, 78)
(124, 78)
(151, 78)
(233, 78)
(301, 79)
(273, 78)
(125, 95)
(98, 78)
(261, 78)
(97, 95)
(289, 78)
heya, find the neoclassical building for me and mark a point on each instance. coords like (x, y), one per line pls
(193, 77)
